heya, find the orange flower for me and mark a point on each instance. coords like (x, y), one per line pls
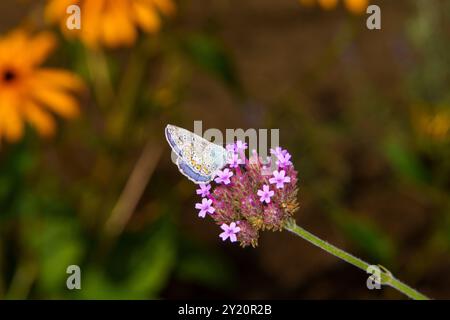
(327, 4)
(356, 6)
(111, 23)
(435, 125)
(29, 93)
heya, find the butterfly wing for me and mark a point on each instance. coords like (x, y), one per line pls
(176, 137)
(189, 173)
(198, 159)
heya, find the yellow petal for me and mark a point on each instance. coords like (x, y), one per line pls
(146, 17)
(118, 26)
(55, 10)
(165, 6)
(56, 100)
(59, 78)
(13, 45)
(11, 126)
(91, 17)
(39, 119)
(356, 6)
(2, 127)
(327, 4)
(5, 104)
(39, 47)
(12, 123)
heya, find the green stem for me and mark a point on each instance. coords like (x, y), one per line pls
(100, 75)
(386, 277)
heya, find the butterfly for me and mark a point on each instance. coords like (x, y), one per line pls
(197, 158)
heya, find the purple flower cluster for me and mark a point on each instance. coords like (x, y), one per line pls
(248, 198)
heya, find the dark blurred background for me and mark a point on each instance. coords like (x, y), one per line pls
(365, 114)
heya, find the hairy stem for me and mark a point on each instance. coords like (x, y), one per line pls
(386, 277)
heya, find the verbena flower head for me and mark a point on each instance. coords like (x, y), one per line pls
(223, 176)
(265, 194)
(229, 231)
(248, 197)
(279, 179)
(204, 190)
(205, 207)
(283, 160)
(231, 147)
(234, 161)
(241, 146)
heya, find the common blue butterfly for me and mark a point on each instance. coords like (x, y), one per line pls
(197, 158)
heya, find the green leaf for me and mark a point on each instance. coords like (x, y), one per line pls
(16, 161)
(138, 268)
(203, 267)
(95, 285)
(152, 263)
(366, 236)
(206, 52)
(404, 161)
(59, 245)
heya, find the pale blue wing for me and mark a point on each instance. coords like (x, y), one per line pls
(171, 137)
(198, 159)
(216, 156)
(192, 175)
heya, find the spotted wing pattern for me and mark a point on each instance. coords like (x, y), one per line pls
(198, 159)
